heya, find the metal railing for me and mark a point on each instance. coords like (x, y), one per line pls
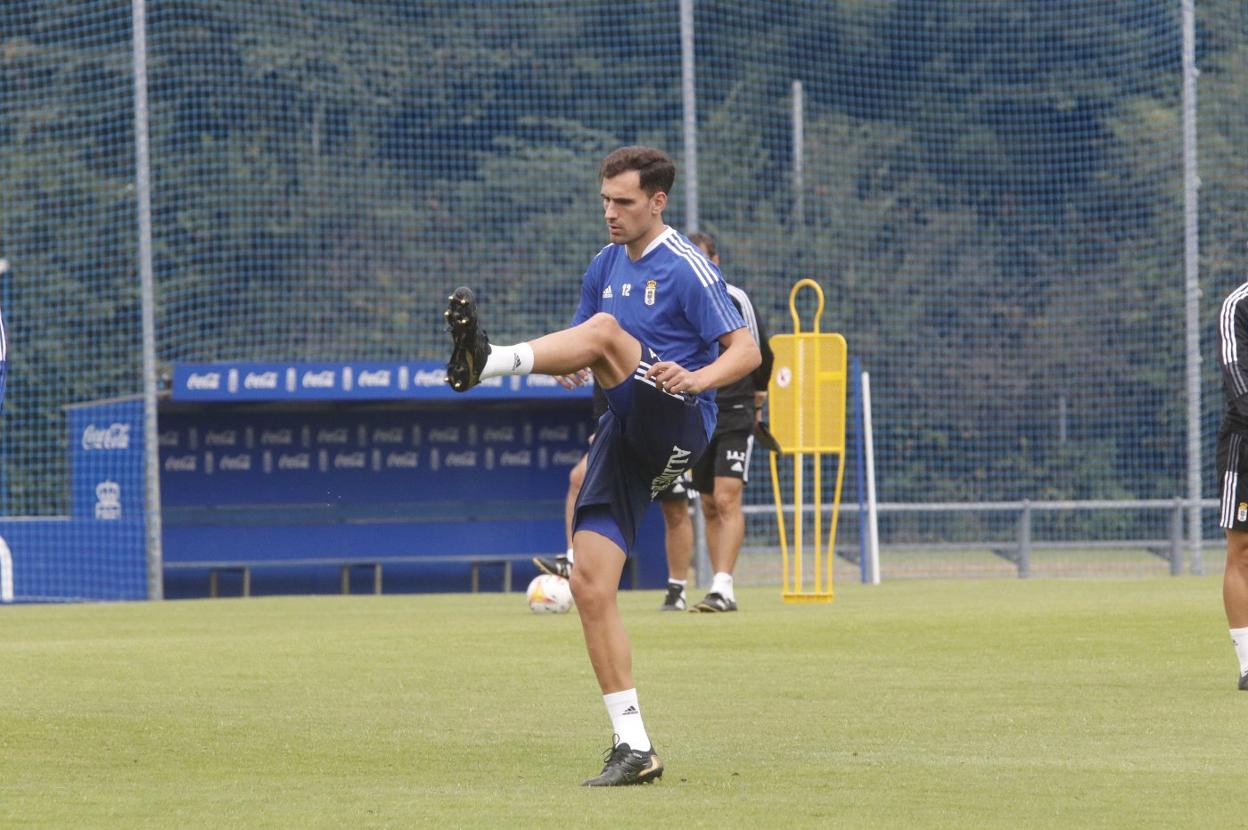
(1175, 547)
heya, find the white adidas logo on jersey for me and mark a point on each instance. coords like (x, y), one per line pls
(606, 293)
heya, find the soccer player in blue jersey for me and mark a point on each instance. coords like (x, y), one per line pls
(653, 315)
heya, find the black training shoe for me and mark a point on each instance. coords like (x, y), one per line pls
(1243, 683)
(675, 599)
(558, 566)
(713, 603)
(627, 766)
(470, 347)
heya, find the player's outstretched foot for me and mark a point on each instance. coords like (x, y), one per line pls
(557, 566)
(675, 599)
(1243, 682)
(469, 344)
(714, 603)
(627, 766)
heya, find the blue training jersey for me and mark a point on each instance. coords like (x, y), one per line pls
(672, 299)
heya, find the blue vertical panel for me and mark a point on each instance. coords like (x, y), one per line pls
(97, 553)
(106, 460)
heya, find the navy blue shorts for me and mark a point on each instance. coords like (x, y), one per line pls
(643, 443)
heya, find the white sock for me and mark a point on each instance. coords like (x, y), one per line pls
(508, 360)
(1239, 636)
(722, 585)
(626, 719)
(681, 582)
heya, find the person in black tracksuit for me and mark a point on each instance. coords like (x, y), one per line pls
(720, 474)
(1232, 462)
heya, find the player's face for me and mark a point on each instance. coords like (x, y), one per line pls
(630, 214)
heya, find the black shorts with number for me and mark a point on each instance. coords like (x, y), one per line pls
(1233, 478)
(728, 456)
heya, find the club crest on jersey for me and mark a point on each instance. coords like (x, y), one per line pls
(1242, 515)
(650, 286)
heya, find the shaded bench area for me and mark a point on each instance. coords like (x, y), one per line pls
(318, 548)
(243, 569)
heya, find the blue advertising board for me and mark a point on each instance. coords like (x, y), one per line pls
(58, 559)
(340, 455)
(106, 459)
(420, 381)
(309, 461)
(271, 462)
(98, 551)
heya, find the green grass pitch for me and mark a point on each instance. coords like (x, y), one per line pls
(1046, 703)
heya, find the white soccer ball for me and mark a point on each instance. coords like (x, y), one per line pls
(549, 595)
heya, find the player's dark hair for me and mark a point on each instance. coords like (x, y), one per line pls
(656, 170)
(704, 241)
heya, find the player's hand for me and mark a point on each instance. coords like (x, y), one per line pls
(575, 379)
(672, 377)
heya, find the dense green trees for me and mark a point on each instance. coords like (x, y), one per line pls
(992, 200)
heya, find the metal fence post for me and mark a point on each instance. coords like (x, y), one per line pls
(689, 104)
(702, 570)
(147, 282)
(1176, 538)
(1191, 282)
(1024, 541)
